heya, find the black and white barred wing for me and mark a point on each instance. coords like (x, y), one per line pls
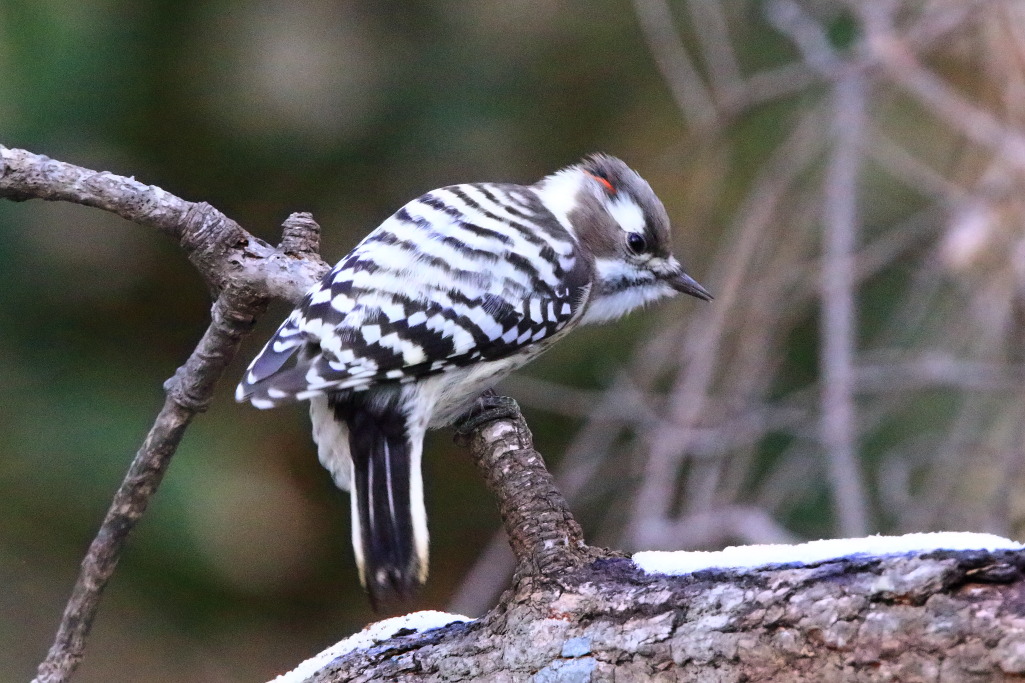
(464, 274)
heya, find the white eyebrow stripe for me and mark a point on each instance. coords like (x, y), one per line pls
(628, 215)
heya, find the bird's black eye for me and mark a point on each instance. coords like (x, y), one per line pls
(636, 243)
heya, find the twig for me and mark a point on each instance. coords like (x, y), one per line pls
(728, 523)
(701, 349)
(557, 398)
(713, 36)
(837, 327)
(940, 98)
(933, 25)
(904, 166)
(933, 370)
(808, 35)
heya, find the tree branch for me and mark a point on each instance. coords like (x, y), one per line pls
(544, 536)
(944, 615)
(244, 273)
(678, 71)
(222, 252)
(839, 307)
(188, 393)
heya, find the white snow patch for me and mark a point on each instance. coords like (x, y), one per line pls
(369, 636)
(751, 556)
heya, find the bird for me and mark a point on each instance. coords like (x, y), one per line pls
(450, 294)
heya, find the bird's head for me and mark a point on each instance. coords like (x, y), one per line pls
(622, 227)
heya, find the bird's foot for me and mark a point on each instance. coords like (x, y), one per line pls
(488, 407)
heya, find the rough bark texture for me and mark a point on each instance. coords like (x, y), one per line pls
(942, 617)
(545, 538)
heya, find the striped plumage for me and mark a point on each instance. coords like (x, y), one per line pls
(453, 292)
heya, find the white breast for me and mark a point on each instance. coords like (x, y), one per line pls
(452, 392)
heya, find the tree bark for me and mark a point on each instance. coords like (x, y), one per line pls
(943, 616)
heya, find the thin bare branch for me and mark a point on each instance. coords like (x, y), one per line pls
(188, 393)
(933, 25)
(714, 38)
(838, 322)
(940, 98)
(935, 370)
(700, 352)
(789, 18)
(721, 526)
(560, 399)
(678, 71)
(904, 166)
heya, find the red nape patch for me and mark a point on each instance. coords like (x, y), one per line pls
(603, 181)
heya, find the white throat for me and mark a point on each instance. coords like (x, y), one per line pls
(609, 302)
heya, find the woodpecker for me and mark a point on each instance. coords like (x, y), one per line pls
(449, 295)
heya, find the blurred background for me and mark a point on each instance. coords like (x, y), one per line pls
(844, 176)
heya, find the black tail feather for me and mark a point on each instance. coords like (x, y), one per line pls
(380, 451)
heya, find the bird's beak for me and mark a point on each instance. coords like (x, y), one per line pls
(682, 282)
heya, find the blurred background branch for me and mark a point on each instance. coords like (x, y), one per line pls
(845, 177)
